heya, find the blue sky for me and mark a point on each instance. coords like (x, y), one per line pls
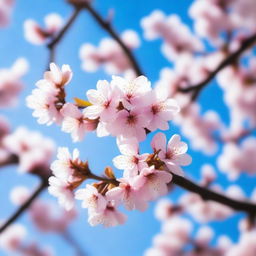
(135, 236)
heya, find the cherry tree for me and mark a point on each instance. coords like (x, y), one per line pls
(216, 49)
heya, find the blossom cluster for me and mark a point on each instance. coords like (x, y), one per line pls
(12, 241)
(177, 233)
(121, 108)
(178, 39)
(34, 155)
(145, 178)
(109, 54)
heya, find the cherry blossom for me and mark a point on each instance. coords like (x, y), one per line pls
(130, 161)
(33, 153)
(37, 35)
(175, 153)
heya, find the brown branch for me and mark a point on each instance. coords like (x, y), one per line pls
(207, 194)
(11, 159)
(25, 206)
(232, 58)
(106, 25)
(204, 192)
(55, 40)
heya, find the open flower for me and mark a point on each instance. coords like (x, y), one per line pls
(175, 153)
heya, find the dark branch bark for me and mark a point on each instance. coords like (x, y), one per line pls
(207, 194)
(12, 159)
(55, 41)
(25, 206)
(106, 25)
(196, 89)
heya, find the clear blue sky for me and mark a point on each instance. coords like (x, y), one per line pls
(135, 236)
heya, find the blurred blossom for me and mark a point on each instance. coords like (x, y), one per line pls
(6, 7)
(109, 54)
(34, 154)
(11, 84)
(37, 35)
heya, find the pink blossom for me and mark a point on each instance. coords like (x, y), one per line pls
(19, 195)
(50, 218)
(75, 122)
(177, 37)
(104, 101)
(129, 194)
(13, 237)
(11, 84)
(175, 153)
(133, 92)
(161, 110)
(108, 218)
(37, 35)
(129, 124)
(33, 153)
(91, 199)
(153, 183)
(6, 7)
(109, 54)
(237, 159)
(61, 189)
(63, 167)
(163, 209)
(130, 161)
(59, 77)
(49, 97)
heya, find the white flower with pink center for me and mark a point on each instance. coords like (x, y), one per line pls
(129, 194)
(91, 199)
(108, 218)
(161, 110)
(59, 77)
(153, 182)
(104, 101)
(174, 154)
(133, 92)
(63, 167)
(129, 124)
(130, 161)
(75, 122)
(63, 190)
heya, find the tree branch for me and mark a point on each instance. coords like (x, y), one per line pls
(106, 25)
(207, 194)
(11, 159)
(25, 206)
(232, 58)
(55, 40)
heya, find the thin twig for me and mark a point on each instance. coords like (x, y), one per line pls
(106, 25)
(207, 194)
(70, 239)
(232, 58)
(55, 40)
(25, 206)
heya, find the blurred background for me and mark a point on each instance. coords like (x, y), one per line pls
(135, 236)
